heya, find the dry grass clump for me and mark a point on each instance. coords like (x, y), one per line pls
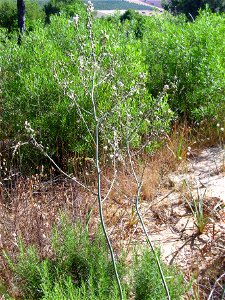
(208, 262)
(32, 208)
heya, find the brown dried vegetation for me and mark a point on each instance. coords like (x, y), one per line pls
(30, 207)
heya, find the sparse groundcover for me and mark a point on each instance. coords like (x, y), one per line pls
(36, 203)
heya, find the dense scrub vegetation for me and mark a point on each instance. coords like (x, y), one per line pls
(191, 8)
(188, 58)
(169, 67)
(80, 268)
(91, 88)
(8, 14)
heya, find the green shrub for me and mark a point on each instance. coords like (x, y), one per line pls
(69, 7)
(8, 14)
(187, 58)
(191, 8)
(47, 82)
(148, 283)
(80, 268)
(34, 12)
(137, 20)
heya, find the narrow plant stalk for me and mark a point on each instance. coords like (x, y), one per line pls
(214, 287)
(97, 122)
(38, 146)
(101, 214)
(139, 186)
(150, 243)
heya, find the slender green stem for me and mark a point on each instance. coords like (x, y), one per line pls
(139, 186)
(97, 122)
(150, 244)
(99, 197)
(101, 212)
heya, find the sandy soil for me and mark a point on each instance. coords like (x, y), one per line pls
(171, 225)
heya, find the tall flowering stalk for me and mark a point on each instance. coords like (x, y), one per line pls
(122, 122)
(97, 126)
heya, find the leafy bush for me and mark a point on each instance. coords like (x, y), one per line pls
(33, 13)
(80, 268)
(174, 66)
(137, 19)
(8, 14)
(69, 7)
(191, 7)
(47, 82)
(148, 285)
(187, 59)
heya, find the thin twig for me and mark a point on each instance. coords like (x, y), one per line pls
(81, 115)
(139, 186)
(214, 286)
(40, 147)
(97, 123)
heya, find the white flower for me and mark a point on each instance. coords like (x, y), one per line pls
(222, 129)
(142, 75)
(28, 127)
(218, 124)
(104, 35)
(76, 19)
(90, 6)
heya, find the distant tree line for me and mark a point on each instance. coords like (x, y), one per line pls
(13, 13)
(191, 7)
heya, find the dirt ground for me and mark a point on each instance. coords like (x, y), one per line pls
(170, 205)
(173, 220)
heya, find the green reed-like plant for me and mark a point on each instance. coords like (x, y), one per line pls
(197, 207)
(147, 283)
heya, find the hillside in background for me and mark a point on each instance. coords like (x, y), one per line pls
(118, 5)
(112, 5)
(43, 2)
